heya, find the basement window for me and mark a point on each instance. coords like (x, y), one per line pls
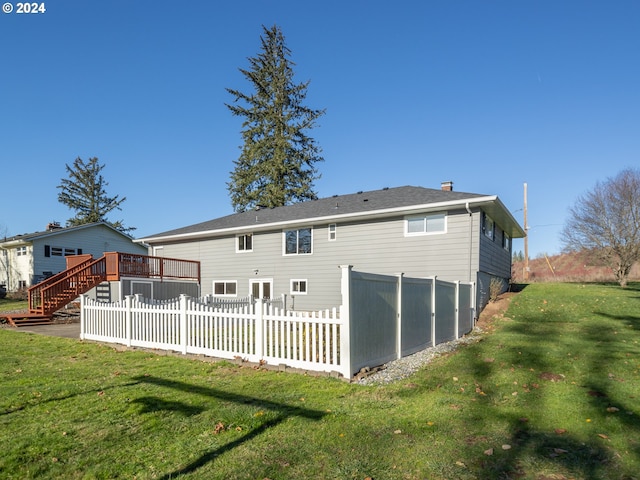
(225, 288)
(298, 287)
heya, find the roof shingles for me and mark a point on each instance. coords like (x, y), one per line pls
(361, 202)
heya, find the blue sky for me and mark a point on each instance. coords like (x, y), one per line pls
(487, 94)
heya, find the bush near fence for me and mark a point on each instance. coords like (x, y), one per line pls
(382, 318)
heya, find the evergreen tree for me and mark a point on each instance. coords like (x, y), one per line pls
(84, 192)
(277, 163)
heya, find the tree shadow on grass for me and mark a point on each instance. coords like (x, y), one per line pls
(34, 403)
(156, 404)
(283, 411)
(593, 458)
(532, 348)
(560, 451)
(634, 320)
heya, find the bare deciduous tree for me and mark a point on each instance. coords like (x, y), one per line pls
(606, 220)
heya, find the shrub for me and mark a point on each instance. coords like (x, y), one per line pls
(496, 287)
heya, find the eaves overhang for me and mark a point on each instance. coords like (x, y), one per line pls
(16, 242)
(502, 217)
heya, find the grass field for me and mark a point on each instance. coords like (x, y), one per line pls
(551, 391)
(7, 304)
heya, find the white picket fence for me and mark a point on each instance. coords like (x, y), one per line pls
(382, 318)
(306, 340)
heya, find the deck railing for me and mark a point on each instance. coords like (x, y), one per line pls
(132, 265)
(55, 292)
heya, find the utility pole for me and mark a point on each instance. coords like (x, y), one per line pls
(526, 237)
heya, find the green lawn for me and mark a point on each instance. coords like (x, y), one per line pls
(7, 304)
(551, 393)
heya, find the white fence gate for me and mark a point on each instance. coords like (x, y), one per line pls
(382, 318)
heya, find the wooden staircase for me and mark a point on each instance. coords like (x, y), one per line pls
(83, 273)
(55, 292)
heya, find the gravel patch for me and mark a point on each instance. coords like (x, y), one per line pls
(406, 366)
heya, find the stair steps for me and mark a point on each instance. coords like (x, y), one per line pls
(27, 319)
(56, 292)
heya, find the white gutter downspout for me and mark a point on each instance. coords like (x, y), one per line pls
(470, 237)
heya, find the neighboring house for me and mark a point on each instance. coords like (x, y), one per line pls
(27, 259)
(297, 249)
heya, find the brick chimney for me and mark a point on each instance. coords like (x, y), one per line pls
(53, 226)
(447, 186)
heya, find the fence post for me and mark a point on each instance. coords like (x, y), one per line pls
(345, 322)
(128, 300)
(433, 311)
(474, 303)
(258, 310)
(83, 318)
(183, 323)
(457, 309)
(399, 316)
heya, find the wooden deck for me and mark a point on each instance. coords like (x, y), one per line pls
(84, 273)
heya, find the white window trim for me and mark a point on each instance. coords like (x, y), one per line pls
(284, 241)
(261, 282)
(238, 250)
(332, 229)
(225, 282)
(424, 216)
(299, 280)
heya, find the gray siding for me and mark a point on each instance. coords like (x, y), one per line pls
(377, 246)
(156, 289)
(495, 261)
(95, 241)
(148, 288)
(494, 258)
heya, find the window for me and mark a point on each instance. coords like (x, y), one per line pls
(21, 251)
(505, 240)
(225, 288)
(427, 224)
(298, 287)
(297, 242)
(59, 251)
(488, 227)
(332, 232)
(245, 243)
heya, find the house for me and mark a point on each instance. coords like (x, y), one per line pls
(26, 260)
(297, 249)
